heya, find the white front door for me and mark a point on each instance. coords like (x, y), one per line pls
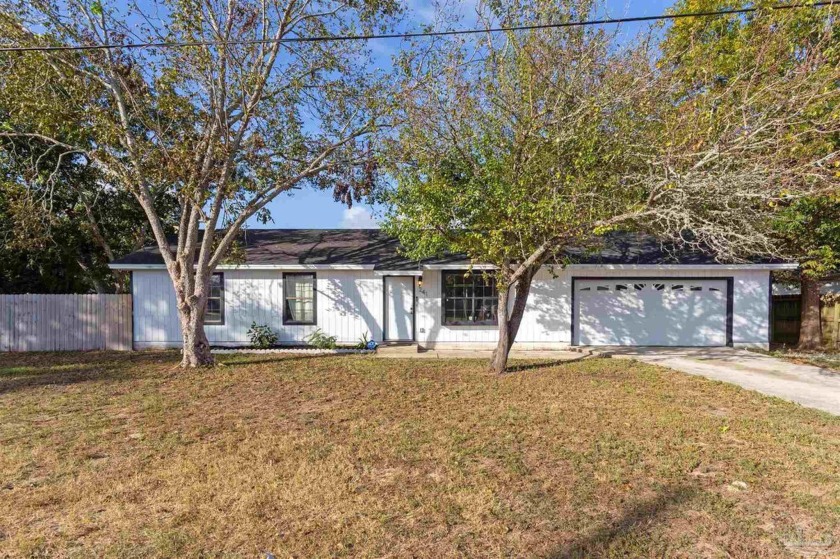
(651, 312)
(399, 308)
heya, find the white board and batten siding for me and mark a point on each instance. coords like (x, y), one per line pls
(349, 304)
(547, 321)
(65, 322)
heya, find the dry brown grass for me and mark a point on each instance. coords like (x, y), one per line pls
(827, 358)
(122, 455)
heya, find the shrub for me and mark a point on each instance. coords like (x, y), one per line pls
(363, 341)
(320, 340)
(262, 336)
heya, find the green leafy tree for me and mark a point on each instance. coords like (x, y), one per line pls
(62, 227)
(518, 145)
(717, 60)
(511, 147)
(810, 231)
(224, 126)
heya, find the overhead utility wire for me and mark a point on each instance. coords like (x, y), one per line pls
(717, 13)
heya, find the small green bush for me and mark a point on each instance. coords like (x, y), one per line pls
(320, 340)
(262, 336)
(363, 341)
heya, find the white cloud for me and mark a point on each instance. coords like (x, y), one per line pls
(358, 217)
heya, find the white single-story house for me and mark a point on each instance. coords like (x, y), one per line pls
(351, 283)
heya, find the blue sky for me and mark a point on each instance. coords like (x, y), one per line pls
(316, 209)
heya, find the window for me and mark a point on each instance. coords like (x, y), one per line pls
(620, 287)
(677, 287)
(214, 313)
(470, 300)
(299, 299)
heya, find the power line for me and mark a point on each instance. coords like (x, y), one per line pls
(325, 38)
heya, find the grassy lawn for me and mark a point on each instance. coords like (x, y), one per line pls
(825, 359)
(123, 455)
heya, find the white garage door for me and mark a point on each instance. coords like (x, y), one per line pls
(650, 312)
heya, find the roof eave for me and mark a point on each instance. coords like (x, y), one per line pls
(135, 267)
(767, 266)
(464, 266)
(778, 266)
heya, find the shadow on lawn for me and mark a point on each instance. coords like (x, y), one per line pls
(273, 360)
(32, 370)
(541, 365)
(635, 523)
(25, 371)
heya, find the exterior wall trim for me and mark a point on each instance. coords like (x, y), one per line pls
(457, 266)
(715, 267)
(292, 267)
(416, 273)
(289, 267)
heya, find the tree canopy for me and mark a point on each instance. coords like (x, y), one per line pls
(765, 54)
(223, 126)
(527, 142)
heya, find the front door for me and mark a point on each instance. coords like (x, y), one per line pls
(399, 308)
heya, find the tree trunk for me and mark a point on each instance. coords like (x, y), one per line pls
(810, 330)
(509, 325)
(191, 309)
(196, 350)
(498, 363)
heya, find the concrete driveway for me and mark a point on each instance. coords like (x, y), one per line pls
(810, 386)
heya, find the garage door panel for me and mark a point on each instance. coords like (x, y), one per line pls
(654, 312)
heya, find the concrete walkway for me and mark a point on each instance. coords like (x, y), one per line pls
(810, 386)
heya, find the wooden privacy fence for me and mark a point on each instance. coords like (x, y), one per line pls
(830, 315)
(65, 322)
(786, 320)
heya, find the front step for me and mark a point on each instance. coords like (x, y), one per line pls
(397, 348)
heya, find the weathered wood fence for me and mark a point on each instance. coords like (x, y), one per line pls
(65, 322)
(830, 315)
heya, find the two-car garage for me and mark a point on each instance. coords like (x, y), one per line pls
(667, 311)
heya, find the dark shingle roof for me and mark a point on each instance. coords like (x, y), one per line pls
(360, 247)
(372, 247)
